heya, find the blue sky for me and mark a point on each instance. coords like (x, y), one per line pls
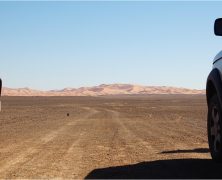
(52, 45)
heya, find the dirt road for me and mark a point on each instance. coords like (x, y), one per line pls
(105, 137)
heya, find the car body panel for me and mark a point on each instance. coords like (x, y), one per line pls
(217, 57)
(218, 65)
(214, 80)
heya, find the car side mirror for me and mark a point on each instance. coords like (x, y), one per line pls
(218, 27)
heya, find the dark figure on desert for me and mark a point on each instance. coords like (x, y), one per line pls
(0, 93)
(0, 87)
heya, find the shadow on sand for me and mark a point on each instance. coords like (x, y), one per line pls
(175, 168)
(197, 150)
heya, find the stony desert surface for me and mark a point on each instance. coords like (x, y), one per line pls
(154, 136)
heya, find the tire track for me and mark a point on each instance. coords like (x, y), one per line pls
(39, 147)
(160, 142)
(130, 146)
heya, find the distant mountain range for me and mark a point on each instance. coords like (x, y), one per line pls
(103, 89)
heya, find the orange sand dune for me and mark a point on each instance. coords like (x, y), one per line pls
(103, 89)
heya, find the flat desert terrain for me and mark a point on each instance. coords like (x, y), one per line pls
(153, 136)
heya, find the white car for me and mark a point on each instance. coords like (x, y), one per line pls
(214, 102)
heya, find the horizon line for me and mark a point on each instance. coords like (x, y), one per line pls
(132, 84)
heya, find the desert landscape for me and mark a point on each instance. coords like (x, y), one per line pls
(125, 136)
(102, 90)
(109, 89)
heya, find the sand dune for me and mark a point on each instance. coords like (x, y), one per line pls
(103, 89)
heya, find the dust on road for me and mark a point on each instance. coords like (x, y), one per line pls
(157, 136)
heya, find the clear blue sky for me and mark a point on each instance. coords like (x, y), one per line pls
(52, 45)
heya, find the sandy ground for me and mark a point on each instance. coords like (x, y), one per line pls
(156, 136)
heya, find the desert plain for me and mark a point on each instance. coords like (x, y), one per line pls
(143, 136)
